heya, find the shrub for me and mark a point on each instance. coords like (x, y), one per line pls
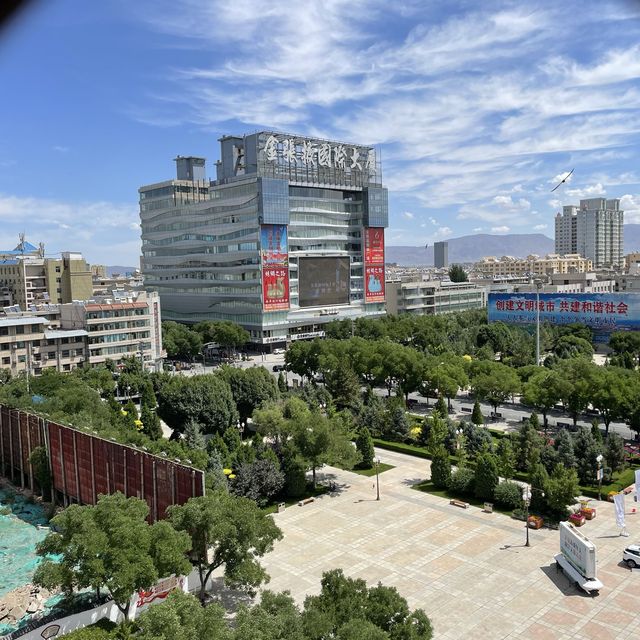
(462, 481)
(508, 494)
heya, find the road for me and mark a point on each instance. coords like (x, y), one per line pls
(512, 414)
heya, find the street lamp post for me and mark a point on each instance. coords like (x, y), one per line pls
(377, 479)
(526, 495)
(599, 461)
(240, 427)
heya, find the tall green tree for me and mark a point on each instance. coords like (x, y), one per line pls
(476, 416)
(506, 458)
(614, 452)
(564, 446)
(319, 441)
(207, 399)
(230, 532)
(150, 423)
(181, 617)
(250, 388)
(561, 489)
(586, 450)
(342, 600)
(580, 374)
(544, 390)
(110, 546)
(487, 478)
(494, 382)
(179, 341)
(364, 444)
(440, 468)
(609, 390)
(529, 445)
(457, 273)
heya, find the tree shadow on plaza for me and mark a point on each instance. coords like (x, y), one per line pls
(410, 482)
(229, 599)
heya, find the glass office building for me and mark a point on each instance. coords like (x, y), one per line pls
(288, 237)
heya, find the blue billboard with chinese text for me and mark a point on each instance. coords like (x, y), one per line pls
(602, 312)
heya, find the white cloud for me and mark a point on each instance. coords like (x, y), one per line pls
(507, 202)
(477, 229)
(501, 229)
(104, 232)
(590, 191)
(408, 215)
(443, 232)
(60, 149)
(630, 204)
(555, 204)
(540, 227)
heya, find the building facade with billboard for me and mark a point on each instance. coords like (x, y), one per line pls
(604, 313)
(288, 237)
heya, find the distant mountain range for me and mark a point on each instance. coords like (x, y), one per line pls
(475, 247)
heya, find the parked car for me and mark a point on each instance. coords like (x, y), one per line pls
(279, 367)
(631, 555)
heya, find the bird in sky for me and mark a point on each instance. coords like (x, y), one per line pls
(563, 180)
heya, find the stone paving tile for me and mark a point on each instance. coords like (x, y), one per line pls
(468, 570)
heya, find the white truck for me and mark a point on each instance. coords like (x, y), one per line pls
(577, 559)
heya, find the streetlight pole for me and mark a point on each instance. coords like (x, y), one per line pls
(377, 479)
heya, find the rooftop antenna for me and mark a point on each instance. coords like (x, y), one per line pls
(21, 237)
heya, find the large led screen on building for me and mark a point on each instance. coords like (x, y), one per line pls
(323, 281)
(603, 312)
(274, 255)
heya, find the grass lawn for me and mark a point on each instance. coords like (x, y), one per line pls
(309, 493)
(427, 486)
(382, 467)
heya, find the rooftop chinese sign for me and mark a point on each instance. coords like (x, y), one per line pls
(315, 160)
(602, 312)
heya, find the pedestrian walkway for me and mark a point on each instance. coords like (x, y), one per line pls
(467, 569)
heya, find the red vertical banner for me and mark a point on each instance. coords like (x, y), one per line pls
(373, 250)
(274, 256)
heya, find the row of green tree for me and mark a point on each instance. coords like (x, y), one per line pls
(183, 342)
(111, 548)
(554, 466)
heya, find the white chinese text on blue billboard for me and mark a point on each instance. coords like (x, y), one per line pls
(602, 312)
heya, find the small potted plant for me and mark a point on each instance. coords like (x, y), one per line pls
(588, 512)
(577, 519)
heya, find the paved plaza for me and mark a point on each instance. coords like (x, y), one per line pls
(467, 569)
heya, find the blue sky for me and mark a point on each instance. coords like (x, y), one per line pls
(477, 107)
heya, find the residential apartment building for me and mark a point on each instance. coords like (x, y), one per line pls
(432, 297)
(533, 265)
(129, 325)
(593, 229)
(28, 277)
(28, 344)
(289, 236)
(69, 335)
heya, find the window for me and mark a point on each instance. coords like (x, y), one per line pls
(19, 330)
(66, 367)
(6, 360)
(65, 353)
